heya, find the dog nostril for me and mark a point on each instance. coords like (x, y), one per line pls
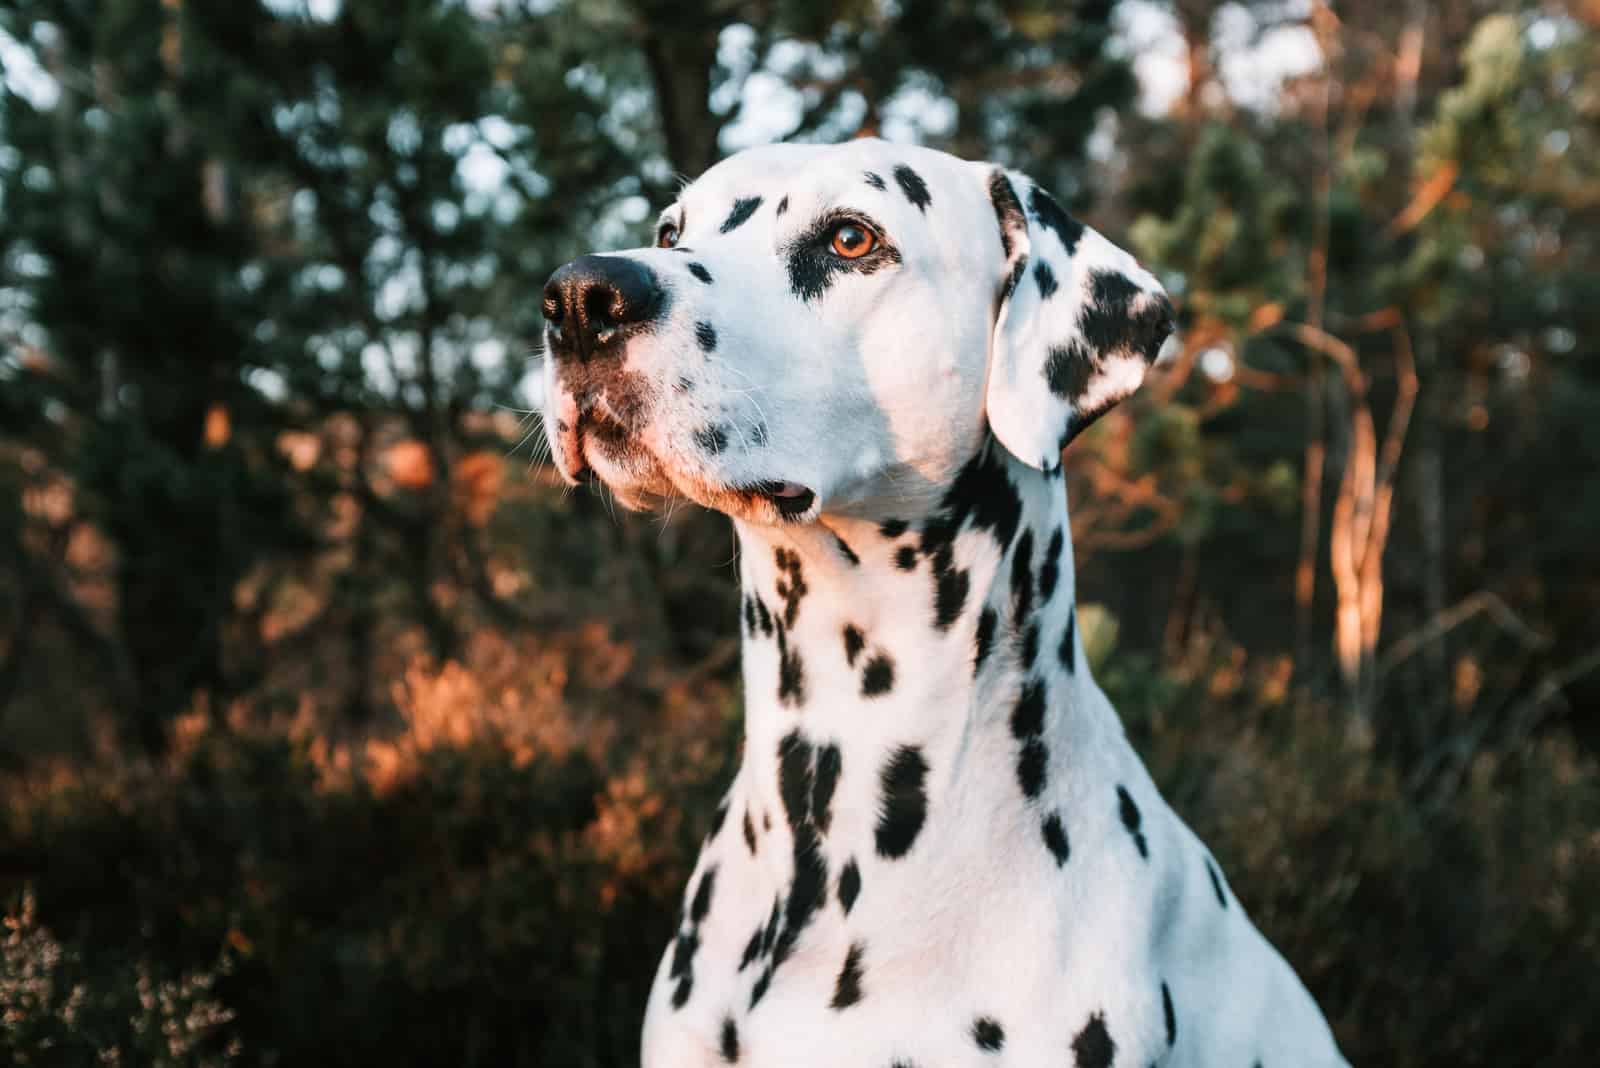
(600, 306)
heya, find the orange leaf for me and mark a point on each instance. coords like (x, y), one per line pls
(410, 464)
(1265, 317)
(478, 477)
(219, 428)
(1427, 197)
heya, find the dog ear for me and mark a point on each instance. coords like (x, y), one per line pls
(1079, 323)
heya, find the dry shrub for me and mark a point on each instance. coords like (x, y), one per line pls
(1459, 931)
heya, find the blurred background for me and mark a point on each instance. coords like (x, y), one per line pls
(334, 731)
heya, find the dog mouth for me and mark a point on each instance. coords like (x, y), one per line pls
(602, 451)
(789, 499)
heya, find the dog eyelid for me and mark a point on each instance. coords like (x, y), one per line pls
(672, 217)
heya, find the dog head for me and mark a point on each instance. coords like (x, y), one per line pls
(836, 328)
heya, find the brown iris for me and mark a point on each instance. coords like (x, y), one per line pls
(852, 241)
(667, 236)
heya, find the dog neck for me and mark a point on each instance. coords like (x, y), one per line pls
(896, 667)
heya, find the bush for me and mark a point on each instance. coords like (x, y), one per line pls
(465, 890)
(1457, 928)
(455, 894)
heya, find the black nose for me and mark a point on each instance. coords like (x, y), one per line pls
(591, 298)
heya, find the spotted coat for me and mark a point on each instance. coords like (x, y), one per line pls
(940, 849)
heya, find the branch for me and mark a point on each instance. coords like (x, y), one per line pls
(1484, 601)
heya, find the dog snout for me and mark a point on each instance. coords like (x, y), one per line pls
(592, 299)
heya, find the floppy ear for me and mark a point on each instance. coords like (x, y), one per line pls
(1079, 323)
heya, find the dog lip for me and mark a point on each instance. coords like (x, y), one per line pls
(790, 498)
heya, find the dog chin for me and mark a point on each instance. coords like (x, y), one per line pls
(655, 489)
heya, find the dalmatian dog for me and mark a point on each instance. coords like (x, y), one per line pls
(940, 849)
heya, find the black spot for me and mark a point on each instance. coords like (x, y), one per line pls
(730, 1041)
(847, 552)
(1030, 644)
(1027, 716)
(763, 617)
(1007, 211)
(1031, 767)
(684, 385)
(791, 671)
(713, 439)
(752, 949)
(854, 642)
(791, 583)
(1013, 276)
(893, 528)
(1069, 369)
(1109, 323)
(683, 951)
(1053, 217)
(702, 896)
(812, 266)
(758, 433)
(806, 780)
(912, 185)
(769, 937)
(1050, 568)
(983, 640)
(849, 885)
(795, 775)
(688, 940)
(1093, 1047)
(706, 335)
(988, 1034)
(877, 678)
(1046, 279)
(1169, 1014)
(983, 497)
(807, 894)
(1131, 819)
(904, 806)
(905, 558)
(981, 494)
(1068, 652)
(950, 594)
(847, 988)
(749, 832)
(1216, 883)
(1022, 579)
(783, 205)
(749, 616)
(876, 181)
(743, 208)
(1055, 838)
(829, 764)
(699, 271)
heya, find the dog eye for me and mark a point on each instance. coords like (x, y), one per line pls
(852, 240)
(667, 236)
